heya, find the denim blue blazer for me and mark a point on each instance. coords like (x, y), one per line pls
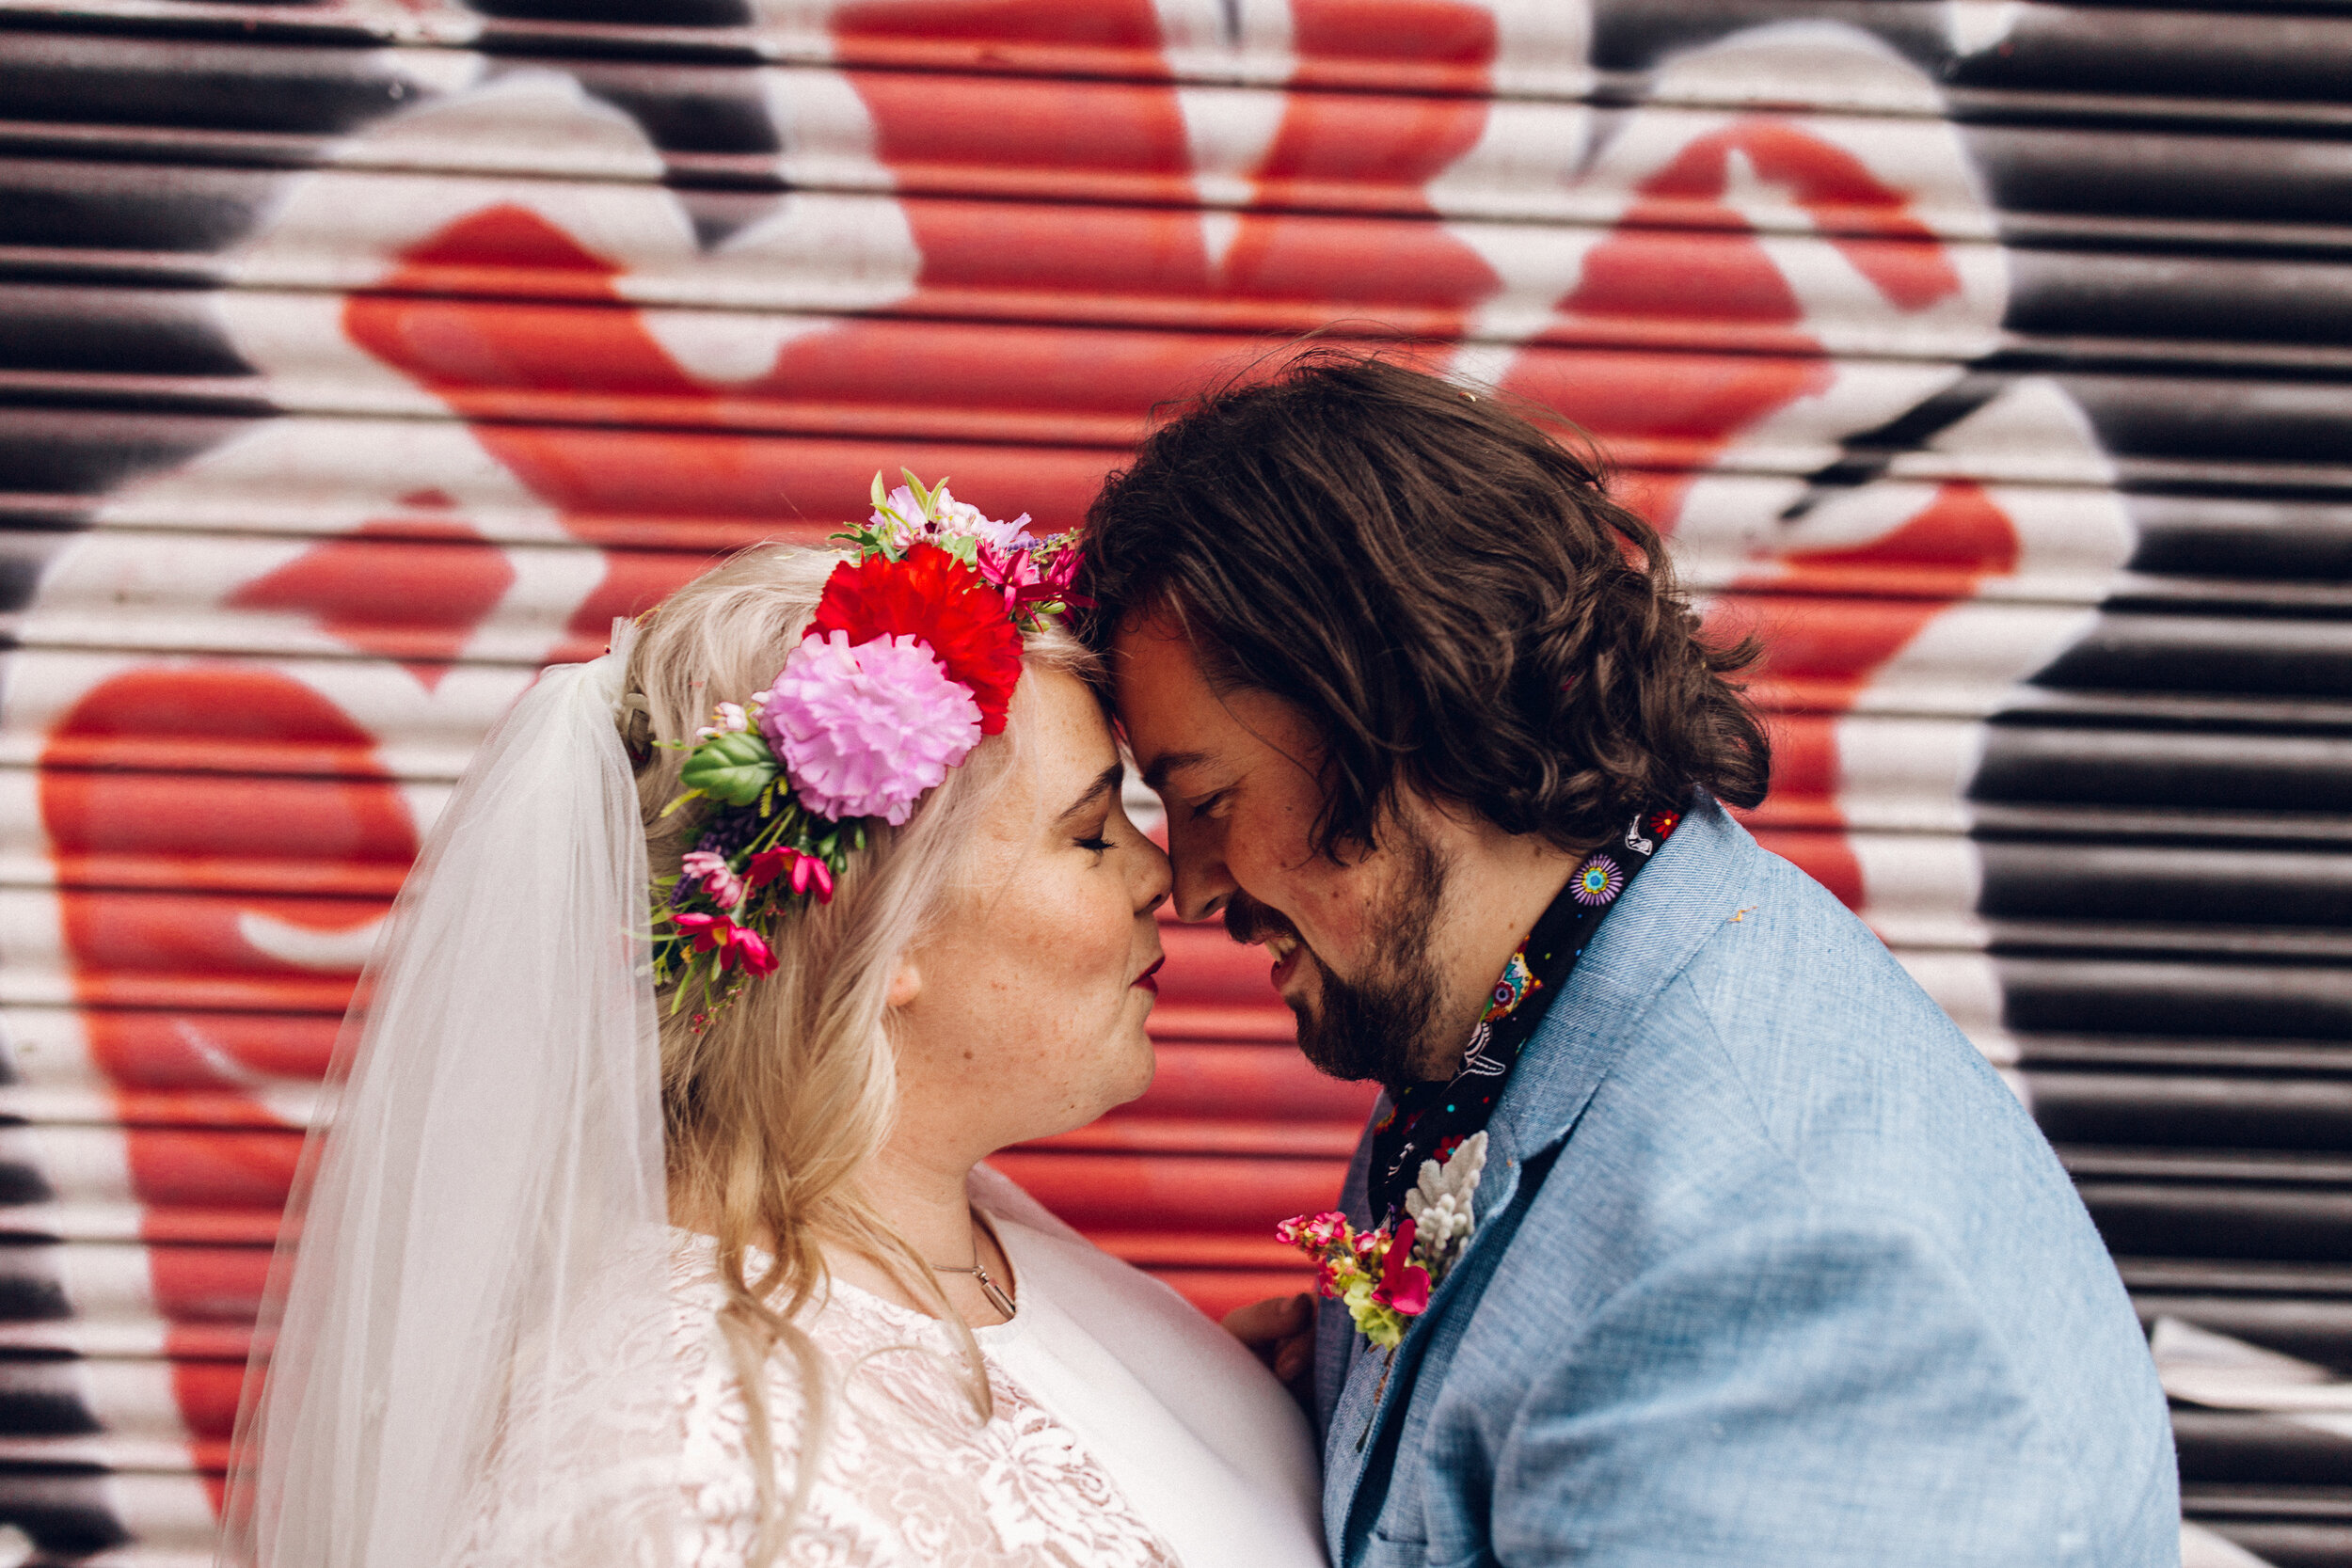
(1770, 1269)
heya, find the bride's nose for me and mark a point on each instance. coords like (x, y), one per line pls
(1152, 882)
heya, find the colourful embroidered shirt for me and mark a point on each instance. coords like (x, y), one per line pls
(1428, 1120)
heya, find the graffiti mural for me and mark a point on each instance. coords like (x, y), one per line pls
(363, 357)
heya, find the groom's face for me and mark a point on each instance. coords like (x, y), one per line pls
(1349, 938)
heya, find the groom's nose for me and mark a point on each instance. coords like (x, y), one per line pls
(1196, 848)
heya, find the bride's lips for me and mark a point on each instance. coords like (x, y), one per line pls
(1150, 979)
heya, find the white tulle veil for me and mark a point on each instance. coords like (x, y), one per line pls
(462, 1320)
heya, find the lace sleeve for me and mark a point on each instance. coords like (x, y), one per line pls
(583, 1471)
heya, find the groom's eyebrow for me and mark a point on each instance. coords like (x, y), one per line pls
(1105, 782)
(1170, 762)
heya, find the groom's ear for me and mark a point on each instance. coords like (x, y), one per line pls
(906, 982)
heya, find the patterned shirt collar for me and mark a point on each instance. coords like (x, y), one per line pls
(1426, 1120)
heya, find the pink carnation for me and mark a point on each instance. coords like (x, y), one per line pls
(865, 731)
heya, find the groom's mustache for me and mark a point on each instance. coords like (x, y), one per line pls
(1248, 922)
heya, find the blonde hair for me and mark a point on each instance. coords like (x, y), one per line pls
(774, 1110)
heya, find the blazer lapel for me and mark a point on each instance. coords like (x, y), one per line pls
(1681, 900)
(1672, 909)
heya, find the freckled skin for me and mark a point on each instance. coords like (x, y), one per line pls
(1023, 1018)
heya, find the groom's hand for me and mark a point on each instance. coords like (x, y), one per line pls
(1280, 1332)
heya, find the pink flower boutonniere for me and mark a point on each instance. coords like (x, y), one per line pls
(1386, 1278)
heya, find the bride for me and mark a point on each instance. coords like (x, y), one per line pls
(653, 1227)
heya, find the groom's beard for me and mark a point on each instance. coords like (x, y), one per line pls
(1376, 1025)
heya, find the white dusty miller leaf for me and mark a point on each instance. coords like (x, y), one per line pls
(1440, 1205)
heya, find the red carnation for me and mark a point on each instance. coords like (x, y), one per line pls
(930, 594)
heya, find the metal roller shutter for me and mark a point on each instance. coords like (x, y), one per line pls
(361, 356)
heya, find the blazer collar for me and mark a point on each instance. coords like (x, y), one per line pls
(1669, 910)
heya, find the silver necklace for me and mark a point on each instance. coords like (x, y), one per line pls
(988, 1287)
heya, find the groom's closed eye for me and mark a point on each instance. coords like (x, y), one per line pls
(1160, 776)
(1207, 803)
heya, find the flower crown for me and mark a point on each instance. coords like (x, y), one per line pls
(911, 657)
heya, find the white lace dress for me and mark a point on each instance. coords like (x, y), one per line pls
(1129, 1433)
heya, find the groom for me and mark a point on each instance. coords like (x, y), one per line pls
(1768, 1267)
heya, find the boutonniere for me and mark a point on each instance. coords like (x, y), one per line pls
(1385, 1276)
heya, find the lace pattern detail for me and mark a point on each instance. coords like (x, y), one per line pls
(907, 1475)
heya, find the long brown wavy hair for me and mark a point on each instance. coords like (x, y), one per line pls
(1440, 586)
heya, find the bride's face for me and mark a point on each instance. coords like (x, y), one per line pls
(1022, 1015)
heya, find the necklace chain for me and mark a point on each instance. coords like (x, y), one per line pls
(988, 1287)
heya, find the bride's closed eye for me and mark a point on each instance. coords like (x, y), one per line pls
(1089, 818)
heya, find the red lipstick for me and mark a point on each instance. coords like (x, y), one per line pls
(1150, 978)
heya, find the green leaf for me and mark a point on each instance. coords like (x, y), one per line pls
(734, 767)
(922, 497)
(881, 497)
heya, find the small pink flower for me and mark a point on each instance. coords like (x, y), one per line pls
(1314, 1232)
(803, 871)
(1059, 577)
(734, 943)
(731, 717)
(718, 878)
(1010, 570)
(1017, 573)
(751, 948)
(1403, 1284)
(866, 731)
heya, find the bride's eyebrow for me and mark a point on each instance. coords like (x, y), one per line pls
(1105, 784)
